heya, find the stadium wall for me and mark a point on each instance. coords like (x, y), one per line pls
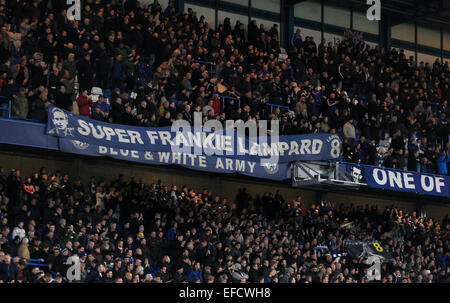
(223, 185)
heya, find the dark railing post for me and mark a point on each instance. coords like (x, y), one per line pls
(416, 51)
(227, 97)
(322, 19)
(223, 104)
(442, 45)
(351, 18)
(216, 13)
(287, 23)
(179, 5)
(249, 11)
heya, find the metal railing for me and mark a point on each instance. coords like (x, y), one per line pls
(210, 64)
(278, 106)
(271, 106)
(212, 70)
(4, 100)
(36, 262)
(224, 98)
(231, 88)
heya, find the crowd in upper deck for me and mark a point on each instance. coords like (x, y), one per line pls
(126, 230)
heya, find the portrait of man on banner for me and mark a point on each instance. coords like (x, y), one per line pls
(60, 123)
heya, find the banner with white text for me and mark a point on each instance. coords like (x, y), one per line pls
(199, 148)
(194, 140)
(398, 180)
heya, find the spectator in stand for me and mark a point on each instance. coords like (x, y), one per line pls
(442, 162)
(84, 103)
(297, 39)
(24, 252)
(102, 103)
(349, 132)
(8, 270)
(62, 99)
(20, 105)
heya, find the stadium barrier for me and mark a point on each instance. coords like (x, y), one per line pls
(5, 106)
(211, 66)
(212, 71)
(282, 108)
(224, 98)
(36, 262)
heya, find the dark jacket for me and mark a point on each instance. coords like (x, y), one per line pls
(8, 272)
(94, 277)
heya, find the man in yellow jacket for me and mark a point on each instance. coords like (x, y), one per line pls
(24, 252)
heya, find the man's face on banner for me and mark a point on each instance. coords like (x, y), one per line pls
(60, 120)
(356, 174)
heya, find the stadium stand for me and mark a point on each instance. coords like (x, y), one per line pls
(128, 231)
(150, 66)
(156, 65)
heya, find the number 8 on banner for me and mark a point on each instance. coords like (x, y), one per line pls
(335, 148)
(378, 247)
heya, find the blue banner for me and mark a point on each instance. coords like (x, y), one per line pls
(280, 171)
(190, 140)
(31, 134)
(399, 180)
(199, 148)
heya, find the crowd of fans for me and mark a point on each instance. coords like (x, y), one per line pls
(388, 110)
(129, 231)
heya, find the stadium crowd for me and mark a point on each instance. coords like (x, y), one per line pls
(388, 110)
(127, 231)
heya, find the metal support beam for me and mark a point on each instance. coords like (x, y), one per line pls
(351, 18)
(294, 2)
(179, 5)
(415, 42)
(385, 39)
(286, 23)
(322, 19)
(442, 45)
(249, 11)
(216, 13)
